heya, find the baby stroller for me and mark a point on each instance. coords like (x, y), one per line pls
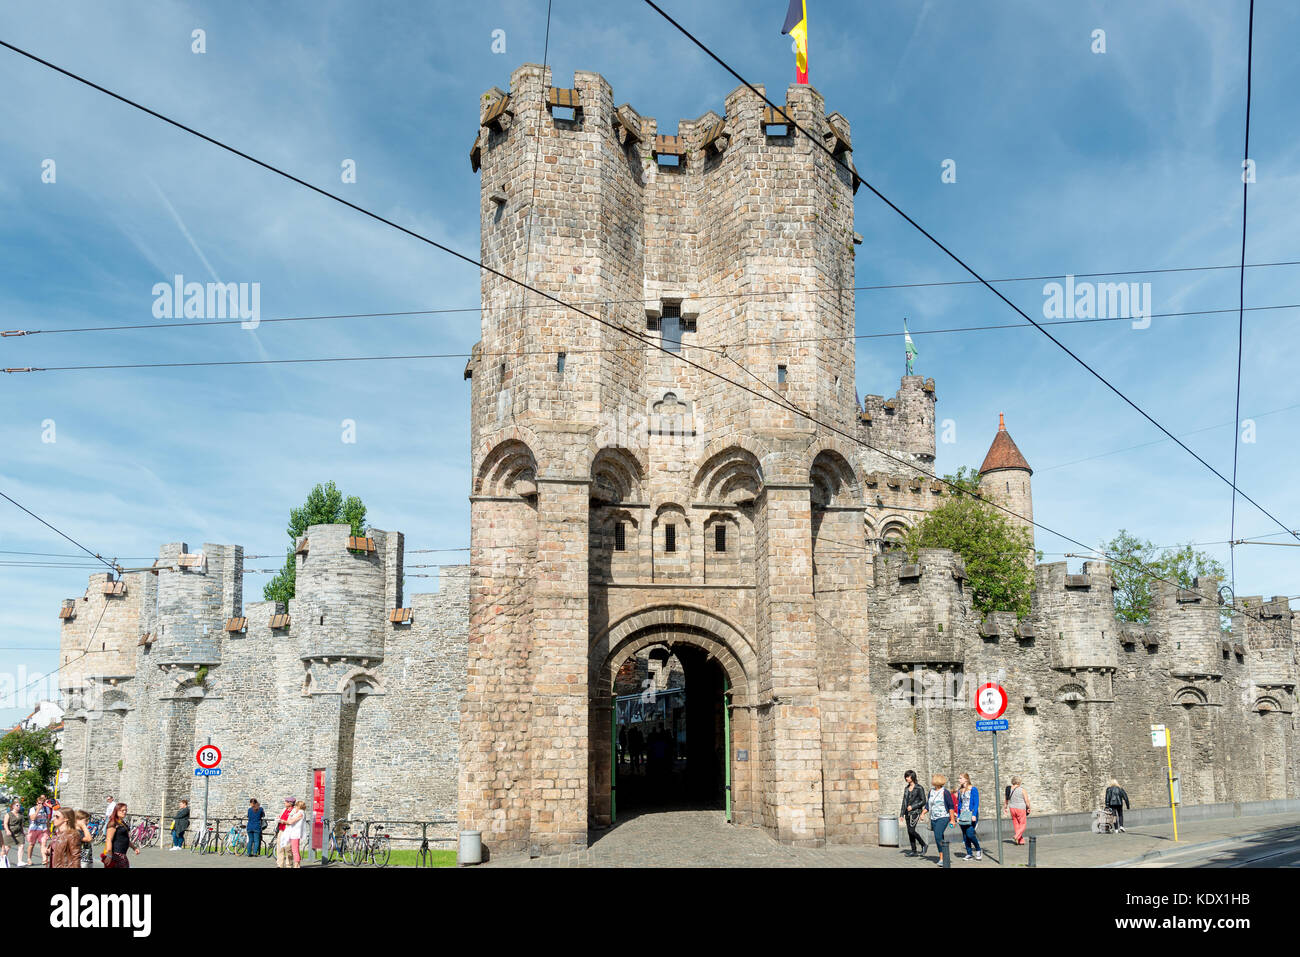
(1103, 820)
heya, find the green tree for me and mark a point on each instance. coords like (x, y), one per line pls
(31, 763)
(1135, 562)
(324, 506)
(995, 549)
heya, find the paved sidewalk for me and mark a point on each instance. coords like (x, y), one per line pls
(703, 839)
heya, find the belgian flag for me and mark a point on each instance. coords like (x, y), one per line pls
(796, 25)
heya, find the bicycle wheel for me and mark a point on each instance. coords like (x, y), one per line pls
(354, 851)
(381, 851)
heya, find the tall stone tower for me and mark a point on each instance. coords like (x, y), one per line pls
(1004, 478)
(623, 497)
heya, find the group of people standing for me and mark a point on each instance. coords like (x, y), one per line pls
(291, 830)
(959, 806)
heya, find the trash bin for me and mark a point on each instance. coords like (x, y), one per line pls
(888, 832)
(471, 848)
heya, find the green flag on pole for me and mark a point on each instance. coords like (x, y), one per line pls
(910, 347)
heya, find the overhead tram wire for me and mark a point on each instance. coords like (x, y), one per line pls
(632, 333)
(816, 142)
(399, 314)
(99, 558)
(1241, 293)
(579, 351)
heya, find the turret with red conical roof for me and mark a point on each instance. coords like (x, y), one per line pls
(1004, 478)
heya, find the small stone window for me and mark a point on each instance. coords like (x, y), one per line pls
(559, 362)
(780, 375)
(719, 538)
(620, 536)
(671, 323)
(670, 538)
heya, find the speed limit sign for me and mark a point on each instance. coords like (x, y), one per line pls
(208, 756)
(990, 701)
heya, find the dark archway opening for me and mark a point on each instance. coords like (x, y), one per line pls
(671, 732)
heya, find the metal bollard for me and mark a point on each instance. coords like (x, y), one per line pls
(1033, 849)
(945, 853)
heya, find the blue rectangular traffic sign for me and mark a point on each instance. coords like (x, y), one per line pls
(207, 772)
(999, 725)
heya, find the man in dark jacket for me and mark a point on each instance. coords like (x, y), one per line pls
(1117, 800)
(180, 824)
(256, 821)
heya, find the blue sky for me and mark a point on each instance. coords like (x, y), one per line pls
(1067, 161)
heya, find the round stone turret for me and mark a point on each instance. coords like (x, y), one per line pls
(197, 591)
(340, 608)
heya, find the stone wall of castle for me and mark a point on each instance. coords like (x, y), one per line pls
(345, 678)
(1083, 688)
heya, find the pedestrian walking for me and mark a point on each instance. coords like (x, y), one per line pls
(118, 839)
(256, 821)
(66, 848)
(1117, 800)
(968, 815)
(82, 821)
(288, 842)
(38, 831)
(939, 805)
(911, 811)
(1018, 807)
(108, 811)
(282, 839)
(298, 820)
(11, 831)
(180, 824)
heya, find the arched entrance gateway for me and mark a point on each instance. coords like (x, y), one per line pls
(689, 710)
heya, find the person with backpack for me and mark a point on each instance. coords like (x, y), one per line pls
(1116, 800)
(968, 814)
(939, 805)
(1018, 809)
(910, 814)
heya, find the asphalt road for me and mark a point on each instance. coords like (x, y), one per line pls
(1280, 848)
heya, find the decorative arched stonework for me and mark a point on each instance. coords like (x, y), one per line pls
(732, 475)
(359, 682)
(698, 626)
(1071, 693)
(834, 483)
(509, 469)
(1266, 704)
(616, 476)
(1189, 696)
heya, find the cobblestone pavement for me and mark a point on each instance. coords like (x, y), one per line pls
(704, 839)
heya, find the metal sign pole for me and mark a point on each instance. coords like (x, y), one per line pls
(997, 795)
(1169, 763)
(207, 781)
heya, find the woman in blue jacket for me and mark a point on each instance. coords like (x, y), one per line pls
(968, 812)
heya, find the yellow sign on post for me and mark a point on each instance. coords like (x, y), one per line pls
(1160, 736)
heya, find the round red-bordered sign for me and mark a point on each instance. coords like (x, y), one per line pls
(990, 701)
(208, 756)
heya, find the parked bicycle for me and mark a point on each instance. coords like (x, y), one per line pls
(235, 840)
(369, 848)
